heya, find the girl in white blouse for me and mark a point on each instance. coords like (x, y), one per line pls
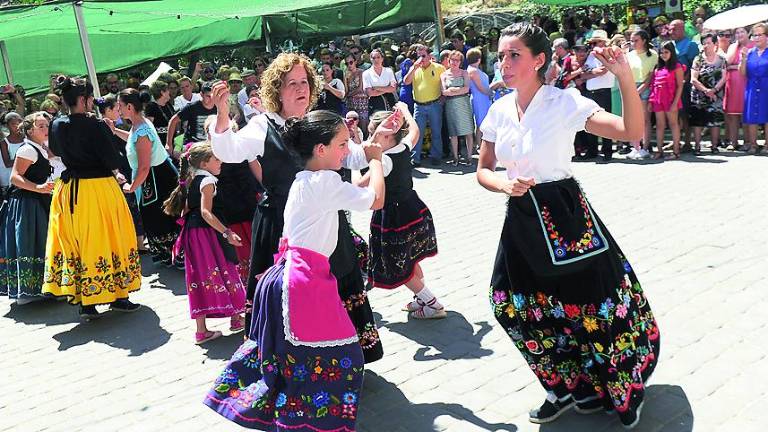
(300, 325)
(561, 287)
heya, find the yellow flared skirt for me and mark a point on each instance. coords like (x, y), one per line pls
(91, 255)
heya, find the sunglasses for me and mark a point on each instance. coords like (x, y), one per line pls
(725, 35)
(349, 62)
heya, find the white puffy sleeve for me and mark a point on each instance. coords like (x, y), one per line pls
(246, 144)
(27, 152)
(490, 124)
(340, 195)
(209, 180)
(578, 109)
(356, 159)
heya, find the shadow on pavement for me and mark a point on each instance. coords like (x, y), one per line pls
(223, 347)
(47, 312)
(137, 332)
(453, 337)
(666, 409)
(152, 274)
(384, 407)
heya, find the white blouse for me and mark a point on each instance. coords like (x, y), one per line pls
(27, 151)
(311, 212)
(207, 180)
(541, 144)
(371, 79)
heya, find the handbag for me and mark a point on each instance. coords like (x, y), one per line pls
(554, 227)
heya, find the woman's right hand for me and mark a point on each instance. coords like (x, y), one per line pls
(110, 123)
(234, 240)
(44, 188)
(518, 186)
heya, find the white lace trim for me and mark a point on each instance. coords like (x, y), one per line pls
(289, 336)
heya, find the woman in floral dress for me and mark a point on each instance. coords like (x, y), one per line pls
(708, 78)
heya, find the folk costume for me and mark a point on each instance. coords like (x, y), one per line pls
(561, 287)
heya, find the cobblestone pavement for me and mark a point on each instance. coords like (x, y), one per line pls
(695, 230)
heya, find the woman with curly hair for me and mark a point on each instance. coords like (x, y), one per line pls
(289, 88)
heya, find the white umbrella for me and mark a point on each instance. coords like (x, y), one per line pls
(740, 17)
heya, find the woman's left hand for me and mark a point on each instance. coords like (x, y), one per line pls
(614, 60)
(127, 188)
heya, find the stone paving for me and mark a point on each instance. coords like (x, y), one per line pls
(694, 230)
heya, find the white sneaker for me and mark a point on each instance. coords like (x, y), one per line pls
(644, 154)
(633, 154)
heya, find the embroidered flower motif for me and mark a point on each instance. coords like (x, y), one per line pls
(510, 310)
(499, 297)
(332, 374)
(590, 324)
(345, 363)
(518, 300)
(537, 314)
(598, 347)
(228, 376)
(541, 298)
(572, 310)
(321, 399)
(300, 372)
(281, 400)
(350, 398)
(621, 311)
(558, 312)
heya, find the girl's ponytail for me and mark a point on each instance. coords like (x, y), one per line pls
(175, 204)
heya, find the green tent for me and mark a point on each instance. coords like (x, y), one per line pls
(42, 40)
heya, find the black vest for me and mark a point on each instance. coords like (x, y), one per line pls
(399, 182)
(279, 166)
(37, 173)
(194, 216)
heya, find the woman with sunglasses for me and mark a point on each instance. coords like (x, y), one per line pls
(357, 99)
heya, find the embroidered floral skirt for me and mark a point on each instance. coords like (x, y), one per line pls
(90, 254)
(23, 232)
(590, 334)
(161, 230)
(214, 287)
(402, 234)
(272, 385)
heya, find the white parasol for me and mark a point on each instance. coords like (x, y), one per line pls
(740, 17)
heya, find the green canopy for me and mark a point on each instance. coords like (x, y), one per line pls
(43, 40)
(580, 2)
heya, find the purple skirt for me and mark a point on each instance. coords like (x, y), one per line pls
(214, 287)
(272, 385)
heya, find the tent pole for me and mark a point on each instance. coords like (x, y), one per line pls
(6, 62)
(86, 44)
(438, 25)
(265, 32)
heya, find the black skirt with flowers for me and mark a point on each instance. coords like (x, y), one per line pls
(589, 334)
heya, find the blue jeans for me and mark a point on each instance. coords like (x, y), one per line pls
(432, 113)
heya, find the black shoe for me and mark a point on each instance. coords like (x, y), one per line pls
(625, 150)
(124, 305)
(179, 264)
(687, 148)
(607, 157)
(630, 419)
(415, 164)
(89, 312)
(549, 411)
(589, 407)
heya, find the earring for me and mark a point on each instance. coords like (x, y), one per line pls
(536, 68)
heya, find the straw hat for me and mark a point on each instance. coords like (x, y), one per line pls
(599, 35)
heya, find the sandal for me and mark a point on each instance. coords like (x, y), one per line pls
(429, 312)
(236, 323)
(675, 156)
(659, 155)
(201, 338)
(714, 150)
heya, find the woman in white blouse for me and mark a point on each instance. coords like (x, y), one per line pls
(379, 84)
(561, 287)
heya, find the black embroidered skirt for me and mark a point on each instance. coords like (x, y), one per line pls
(589, 334)
(402, 234)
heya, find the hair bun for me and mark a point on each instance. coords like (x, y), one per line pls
(291, 131)
(145, 97)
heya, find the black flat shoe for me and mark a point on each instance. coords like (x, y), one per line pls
(630, 419)
(550, 411)
(89, 313)
(589, 407)
(124, 305)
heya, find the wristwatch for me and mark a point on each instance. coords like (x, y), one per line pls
(226, 234)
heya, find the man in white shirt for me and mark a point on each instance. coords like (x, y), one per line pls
(249, 79)
(187, 95)
(599, 84)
